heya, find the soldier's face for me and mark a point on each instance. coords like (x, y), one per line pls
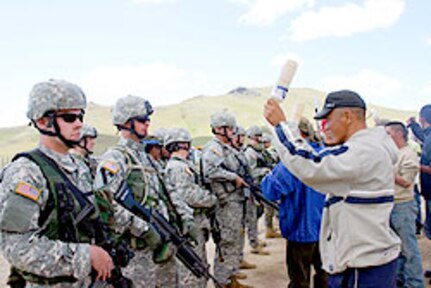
(141, 126)
(91, 141)
(70, 123)
(336, 127)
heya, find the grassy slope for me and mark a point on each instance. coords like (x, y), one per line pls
(192, 114)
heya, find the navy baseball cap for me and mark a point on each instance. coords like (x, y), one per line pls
(339, 99)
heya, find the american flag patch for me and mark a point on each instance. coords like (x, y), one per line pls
(28, 191)
(111, 167)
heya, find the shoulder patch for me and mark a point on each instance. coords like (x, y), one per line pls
(111, 167)
(28, 191)
(216, 152)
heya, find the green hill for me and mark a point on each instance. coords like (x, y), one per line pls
(193, 114)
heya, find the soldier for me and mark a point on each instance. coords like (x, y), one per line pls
(218, 169)
(182, 178)
(153, 149)
(259, 168)
(84, 150)
(38, 235)
(271, 158)
(127, 161)
(249, 209)
(164, 156)
(269, 152)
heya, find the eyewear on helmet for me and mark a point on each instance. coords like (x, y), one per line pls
(142, 119)
(70, 117)
(149, 108)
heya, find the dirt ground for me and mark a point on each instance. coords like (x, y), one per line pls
(271, 271)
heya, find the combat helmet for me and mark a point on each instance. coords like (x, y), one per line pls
(175, 138)
(266, 137)
(254, 131)
(50, 96)
(222, 119)
(53, 95)
(88, 131)
(239, 131)
(130, 108)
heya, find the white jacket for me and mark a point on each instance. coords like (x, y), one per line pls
(359, 182)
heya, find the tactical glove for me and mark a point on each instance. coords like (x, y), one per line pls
(152, 238)
(164, 253)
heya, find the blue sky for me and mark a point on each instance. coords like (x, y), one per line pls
(170, 50)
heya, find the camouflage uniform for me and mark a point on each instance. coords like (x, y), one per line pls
(89, 160)
(113, 169)
(219, 164)
(116, 165)
(270, 157)
(253, 155)
(24, 194)
(182, 177)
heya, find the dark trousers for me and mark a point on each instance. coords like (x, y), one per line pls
(383, 276)
(299, 259)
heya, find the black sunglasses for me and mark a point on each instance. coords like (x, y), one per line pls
(71, 117)
(142, 119)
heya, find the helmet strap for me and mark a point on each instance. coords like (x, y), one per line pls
(57, 133)
(132, 129)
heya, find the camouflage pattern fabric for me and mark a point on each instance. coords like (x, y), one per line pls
(129, 107)
(167, 274)
(54, 95)
(218, 163)
(185, 277)
(142, 270)
(88, 131)
(90, 161)
(183, 179)
(230, 245)
(23, 191)
(114, 167)
(221, 119)
(254, 158)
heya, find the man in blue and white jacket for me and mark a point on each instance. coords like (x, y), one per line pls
(358, 246)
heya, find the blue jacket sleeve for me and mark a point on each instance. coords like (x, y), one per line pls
(276, 184)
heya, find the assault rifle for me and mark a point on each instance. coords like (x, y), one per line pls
(254, 189)
(185, 252)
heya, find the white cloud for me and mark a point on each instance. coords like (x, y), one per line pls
(427, 90)
(346, 20)
(376, 88)
(154, 1)
(265, 12)
(160, 83)
(429, 41)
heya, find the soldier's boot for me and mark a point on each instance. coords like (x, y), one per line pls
(259, 251)
(271, 233)
(240, 276)
(246, 265)
(235, 284)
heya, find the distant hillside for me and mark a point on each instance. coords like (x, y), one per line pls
(193, 114)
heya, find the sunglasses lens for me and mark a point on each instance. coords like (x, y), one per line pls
(142, 119)
(71, 118)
